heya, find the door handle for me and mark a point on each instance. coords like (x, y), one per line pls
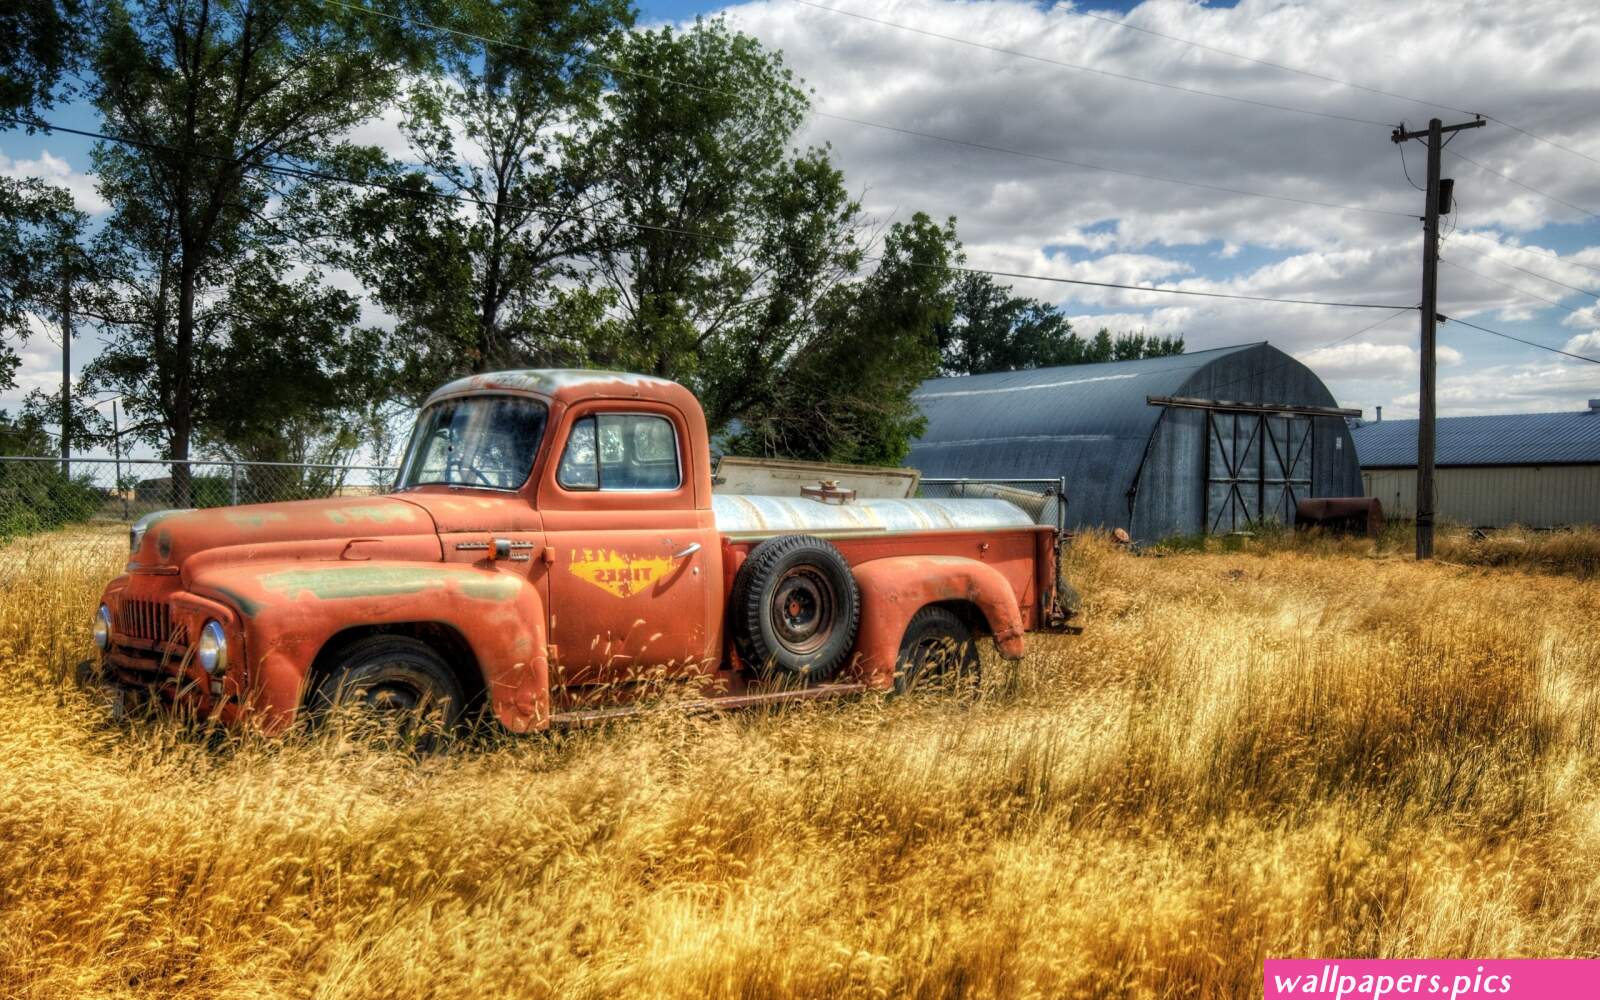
(686, 553)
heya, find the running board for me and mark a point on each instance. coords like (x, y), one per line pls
(596, 716)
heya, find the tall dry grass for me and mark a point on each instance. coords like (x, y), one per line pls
(1318, 751)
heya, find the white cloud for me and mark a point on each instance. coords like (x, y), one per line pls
(1523, 62)
(55, 170)
(1382, 362)
(1528, 388)
(1584, 343)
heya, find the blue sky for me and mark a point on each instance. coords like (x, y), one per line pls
(1530, 64)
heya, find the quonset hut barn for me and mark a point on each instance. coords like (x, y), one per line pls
(1212, 441)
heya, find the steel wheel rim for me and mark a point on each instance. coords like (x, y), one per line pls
(803, 610)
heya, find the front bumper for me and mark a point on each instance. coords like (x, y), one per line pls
(150, 660)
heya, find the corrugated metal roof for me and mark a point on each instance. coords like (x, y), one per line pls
(1089, 423)
(1501, 439)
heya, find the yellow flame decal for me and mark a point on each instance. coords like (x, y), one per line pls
(618, 573)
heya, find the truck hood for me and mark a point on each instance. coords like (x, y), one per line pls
(169, 538)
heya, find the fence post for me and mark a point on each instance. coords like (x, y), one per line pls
(233, 484)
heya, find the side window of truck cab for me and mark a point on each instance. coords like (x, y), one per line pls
(631, 581)
(621, 452)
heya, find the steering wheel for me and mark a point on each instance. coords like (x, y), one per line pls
(455, 471)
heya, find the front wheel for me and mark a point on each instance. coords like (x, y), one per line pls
(396, 686)
(937, 648)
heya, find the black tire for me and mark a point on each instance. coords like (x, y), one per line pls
(937, 646)
(795, 607)
(397, 683)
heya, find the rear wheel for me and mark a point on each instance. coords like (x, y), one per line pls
(937, 650)
(394, 688)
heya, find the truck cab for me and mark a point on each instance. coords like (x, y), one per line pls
(553, 549)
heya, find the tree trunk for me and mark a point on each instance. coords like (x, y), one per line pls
(487, 318)
(66, 364)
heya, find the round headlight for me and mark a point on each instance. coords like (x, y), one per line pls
(212, 650)
(102, 627)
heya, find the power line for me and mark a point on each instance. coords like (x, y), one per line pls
(1534, 274)
(1540, 138)
(1280, 66)
(1405, 169)
(884, 127)
(1502, 284)
(971, 144)
(1351, 336)
(1525, 187)
(1341, 82)
(1091, 69)
(1323, 347)
(1173, 291)
(1530, 343)
(1292, 360)
(309, 173)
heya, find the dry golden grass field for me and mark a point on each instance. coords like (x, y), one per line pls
(1291, 748)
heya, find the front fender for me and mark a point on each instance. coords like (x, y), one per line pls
(896, 588)
(290, 610)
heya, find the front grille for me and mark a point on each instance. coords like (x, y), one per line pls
(148, 620)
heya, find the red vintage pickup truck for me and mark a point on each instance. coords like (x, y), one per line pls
(552, 548)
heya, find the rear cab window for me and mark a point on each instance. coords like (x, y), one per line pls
(632, 452)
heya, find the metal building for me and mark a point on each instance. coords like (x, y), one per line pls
(1212, 441)
(1541, 470)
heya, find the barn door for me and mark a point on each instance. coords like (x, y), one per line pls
(1286, 466)
(1233, 477)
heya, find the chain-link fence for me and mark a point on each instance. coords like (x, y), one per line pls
(1045, 500)
(50, 508)
(88, 498)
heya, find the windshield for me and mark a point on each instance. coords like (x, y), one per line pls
(483, 441)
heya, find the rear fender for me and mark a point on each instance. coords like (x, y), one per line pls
(896, 588)
(288, 611)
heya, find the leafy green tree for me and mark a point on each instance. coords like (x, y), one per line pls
(734, 260)
(42, 261)
(25, 434)
(1101, 347)
(1134, 346)
(846, 395)
(40, 232)
(485, 276)
(300, 346)
(40, 42)
(35, 496)
(718, 241)
(212, 92)
(1160, 347)
(993, 330)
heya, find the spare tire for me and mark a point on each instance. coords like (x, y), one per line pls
(795, 607)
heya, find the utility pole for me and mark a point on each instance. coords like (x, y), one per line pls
(116, 450)
(66, 362)
(1430, 314)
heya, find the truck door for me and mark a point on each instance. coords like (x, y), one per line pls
(628, 549)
